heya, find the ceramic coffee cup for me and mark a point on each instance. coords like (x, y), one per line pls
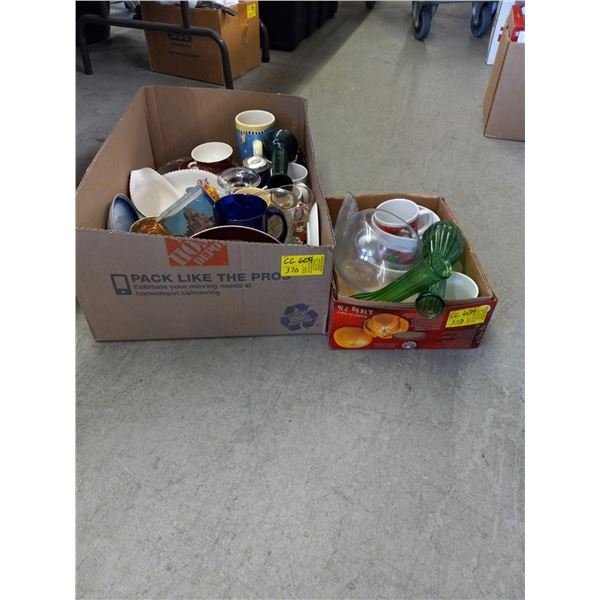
(460, 287)
(214, 157)
(406, 209)
(249, 211)
(251, 129)
(400, 239)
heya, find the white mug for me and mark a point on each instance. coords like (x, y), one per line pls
(460, 287)
(297, 173)
(406, 209)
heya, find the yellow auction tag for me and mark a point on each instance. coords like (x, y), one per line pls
(303, 264)
(251, 10)
(467, 316)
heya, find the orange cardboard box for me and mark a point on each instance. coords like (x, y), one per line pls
(354, 324)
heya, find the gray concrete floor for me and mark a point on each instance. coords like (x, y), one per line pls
(204, 469)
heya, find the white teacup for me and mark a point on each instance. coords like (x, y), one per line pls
(212, 152)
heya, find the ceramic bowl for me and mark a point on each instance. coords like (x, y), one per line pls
(235, 233)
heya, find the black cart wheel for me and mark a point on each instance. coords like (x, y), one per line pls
(370, 5)
(422, 21)
(481, 19)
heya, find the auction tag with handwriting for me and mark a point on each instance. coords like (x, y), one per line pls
(251, 10)
(467, 316)
(303, 264)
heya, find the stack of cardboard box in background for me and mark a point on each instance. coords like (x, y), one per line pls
(504, 103)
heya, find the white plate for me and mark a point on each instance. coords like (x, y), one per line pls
(312, 233)
(181, 180)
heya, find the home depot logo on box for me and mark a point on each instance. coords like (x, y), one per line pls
(196, 253)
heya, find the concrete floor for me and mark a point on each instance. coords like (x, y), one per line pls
(204, 470)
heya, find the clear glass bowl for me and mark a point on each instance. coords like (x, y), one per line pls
(238, 177)
(375, 248)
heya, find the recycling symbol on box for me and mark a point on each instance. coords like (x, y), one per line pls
(297, 316)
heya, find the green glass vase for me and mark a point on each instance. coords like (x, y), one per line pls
(430, 303)
(445, 238)
(422, 275)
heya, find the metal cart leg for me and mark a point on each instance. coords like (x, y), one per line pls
(152, 26)
(264, 42)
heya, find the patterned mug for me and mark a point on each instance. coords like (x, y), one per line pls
(251, 130)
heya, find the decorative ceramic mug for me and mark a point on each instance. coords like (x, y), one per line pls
(404, 208)
(251, 130)
(295, 202)
(192, 213)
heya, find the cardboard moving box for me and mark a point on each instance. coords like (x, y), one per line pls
(461, 326)
(136, 286)
(196, 57)
(504, 102)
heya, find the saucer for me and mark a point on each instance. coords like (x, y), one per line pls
(312, 230)
(235, 233)
(186, 178)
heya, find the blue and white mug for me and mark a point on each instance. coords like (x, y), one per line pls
(251, 129)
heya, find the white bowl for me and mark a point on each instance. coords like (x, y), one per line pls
(150, 192)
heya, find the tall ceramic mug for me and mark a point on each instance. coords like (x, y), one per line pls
(251, 130)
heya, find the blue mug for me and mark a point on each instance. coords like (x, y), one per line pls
(251, 130)
(249, 211)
